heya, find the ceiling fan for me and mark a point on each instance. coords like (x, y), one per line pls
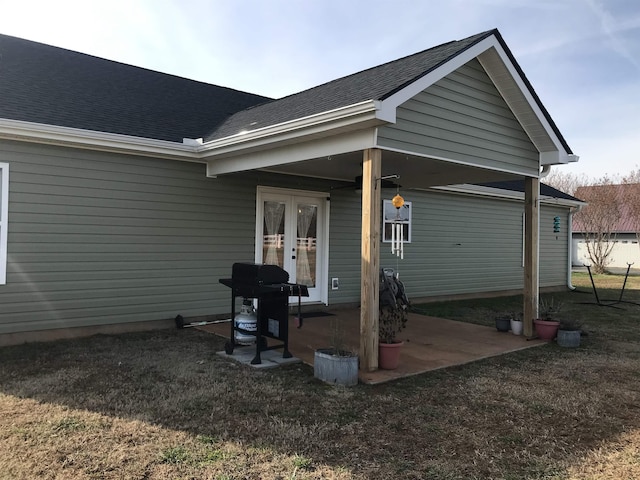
(385, 182)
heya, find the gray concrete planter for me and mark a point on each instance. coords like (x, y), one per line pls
(335, 369)
(568, 338)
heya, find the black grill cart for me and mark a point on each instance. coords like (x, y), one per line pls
(268, 285)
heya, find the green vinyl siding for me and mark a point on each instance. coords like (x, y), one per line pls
(462, 117)
(554, 247)
(461, 244)
(97, 238)
(344, 245)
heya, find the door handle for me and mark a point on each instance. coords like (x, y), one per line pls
(293, 257)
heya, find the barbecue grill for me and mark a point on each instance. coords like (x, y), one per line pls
(269, 285)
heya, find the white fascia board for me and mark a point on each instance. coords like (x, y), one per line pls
(557, 158)
(291, 153)
(353, 116)
(528, 96)
(89, 139)
(480, 190)
(4, 220)
(410, 91)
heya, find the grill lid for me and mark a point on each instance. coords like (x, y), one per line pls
(258, 274)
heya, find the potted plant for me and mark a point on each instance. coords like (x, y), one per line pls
(547, 322)
(569, 333)
(392, 321)
(503, 323)
(337, 364)
(394, 306)
(516, 323)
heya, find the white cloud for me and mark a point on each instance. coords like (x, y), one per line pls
(611, 26)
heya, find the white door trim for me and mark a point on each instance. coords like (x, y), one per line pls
(323, 225)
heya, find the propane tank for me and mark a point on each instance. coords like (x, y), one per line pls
(248, 321)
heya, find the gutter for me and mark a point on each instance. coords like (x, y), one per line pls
(368, 113)
(102, 141)
(317, 125)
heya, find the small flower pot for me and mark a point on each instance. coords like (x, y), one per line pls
(503, 324)
(389, 355)
(516, 327)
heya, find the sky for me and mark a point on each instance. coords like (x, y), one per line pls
(581, 56)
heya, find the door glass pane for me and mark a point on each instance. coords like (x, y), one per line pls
(273, 234)
(306, 242)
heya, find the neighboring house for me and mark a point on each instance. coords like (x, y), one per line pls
(126, 193)
(625, 228)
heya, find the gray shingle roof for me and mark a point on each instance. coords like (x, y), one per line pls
(375, 83)
(518, 186)
(44, 84)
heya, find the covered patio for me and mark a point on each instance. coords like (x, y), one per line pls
(430, 343)
(459, 113)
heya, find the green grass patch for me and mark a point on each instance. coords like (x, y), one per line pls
(175, 455)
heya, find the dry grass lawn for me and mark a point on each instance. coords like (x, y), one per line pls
(163, 405)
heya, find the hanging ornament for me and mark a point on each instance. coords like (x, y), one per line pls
(397, 228)
(397, 201)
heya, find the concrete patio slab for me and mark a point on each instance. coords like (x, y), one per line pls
(430, 343)
(269, 358)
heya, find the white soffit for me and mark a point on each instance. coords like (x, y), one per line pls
(288, 153)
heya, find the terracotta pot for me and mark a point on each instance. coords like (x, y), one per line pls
(389, 355)
(545, 329)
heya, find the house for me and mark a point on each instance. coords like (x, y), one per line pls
(622, 223)
(127, 193)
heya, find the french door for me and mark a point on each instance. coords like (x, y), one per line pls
(291, 233)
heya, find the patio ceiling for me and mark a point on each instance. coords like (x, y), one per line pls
(414, 171)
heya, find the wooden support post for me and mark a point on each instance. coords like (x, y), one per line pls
(369, 272)
(531, 249)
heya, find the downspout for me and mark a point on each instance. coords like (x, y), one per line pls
(545, 171)
(570, 244)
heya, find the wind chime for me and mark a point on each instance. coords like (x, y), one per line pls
(397, 228)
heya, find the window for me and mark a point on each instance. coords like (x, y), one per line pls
(4, 210)
(391, 215)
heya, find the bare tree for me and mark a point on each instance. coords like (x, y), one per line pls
(613, 206)
(630, 199)
(632, 177)
(566, 182)
(599, 220)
